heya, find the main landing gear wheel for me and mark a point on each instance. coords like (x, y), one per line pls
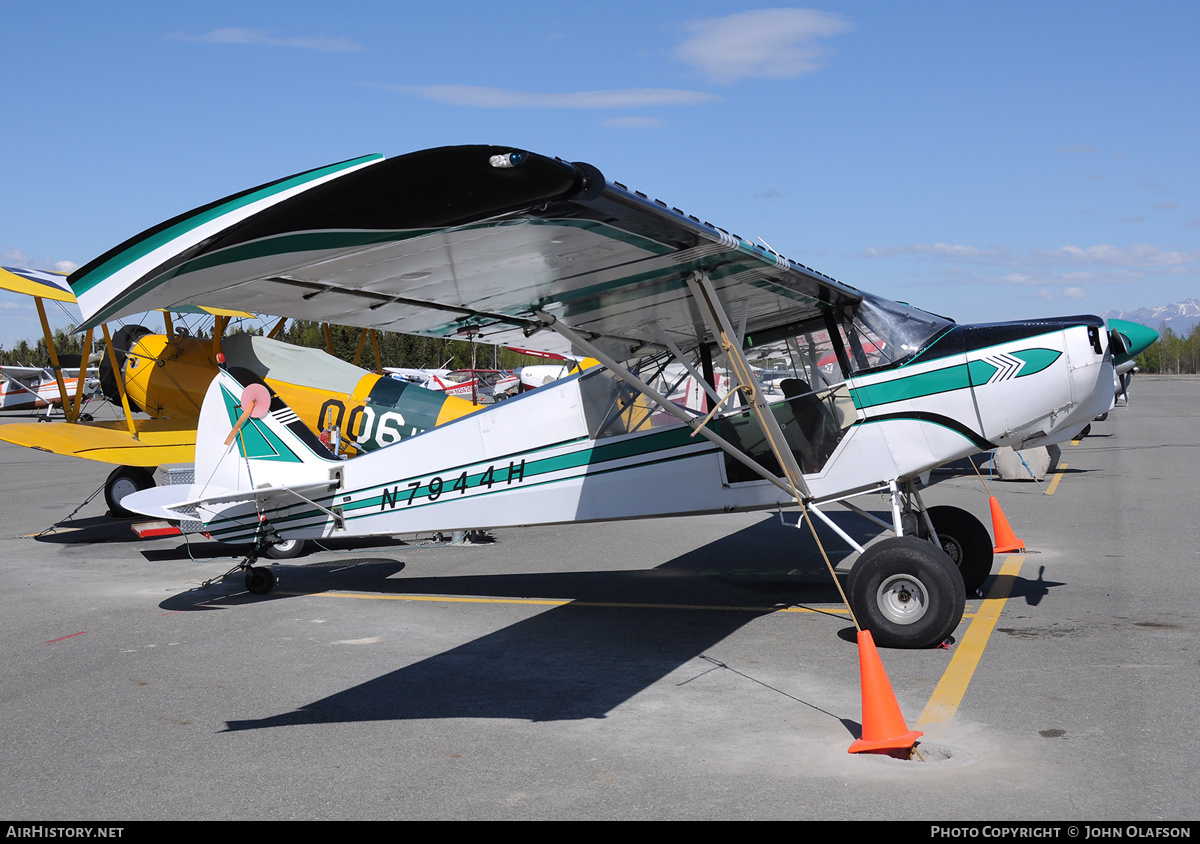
(966, 542)
(907, 592)
(259, 580)
(123, 481)
(286, 549)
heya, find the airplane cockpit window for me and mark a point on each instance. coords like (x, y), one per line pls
(882, 333)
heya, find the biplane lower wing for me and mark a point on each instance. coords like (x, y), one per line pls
(158, 441)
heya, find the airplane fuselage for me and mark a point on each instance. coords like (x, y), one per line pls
(583, 449)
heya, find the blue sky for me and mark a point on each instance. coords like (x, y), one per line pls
(986, 161)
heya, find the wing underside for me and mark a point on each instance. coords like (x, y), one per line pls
(458, 242)
(159, 441)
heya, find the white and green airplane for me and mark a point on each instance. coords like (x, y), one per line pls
(513, 248)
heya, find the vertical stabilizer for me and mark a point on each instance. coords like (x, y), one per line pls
(268, 450)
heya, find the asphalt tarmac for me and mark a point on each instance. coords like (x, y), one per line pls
(692, 668)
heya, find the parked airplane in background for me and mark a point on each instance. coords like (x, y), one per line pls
(519, 249)
(35, 387)
(166, 376)
(478, 385)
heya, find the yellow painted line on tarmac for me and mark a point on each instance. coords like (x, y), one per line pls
(1058, 476)
(953, 685)
(559, 602)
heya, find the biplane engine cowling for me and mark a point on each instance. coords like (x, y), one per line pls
(123, 341)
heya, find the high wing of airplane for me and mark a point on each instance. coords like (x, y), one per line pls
(511, 247)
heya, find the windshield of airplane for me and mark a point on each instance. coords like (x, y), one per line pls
(882, 333)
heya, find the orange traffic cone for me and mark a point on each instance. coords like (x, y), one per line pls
(883, 726)
(1006, 540)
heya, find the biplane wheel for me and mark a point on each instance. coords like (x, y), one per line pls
(286, 549)
(907, 592)
(259, 580)
(123, 481)
(966, 542)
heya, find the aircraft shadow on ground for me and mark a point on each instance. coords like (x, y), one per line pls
(622, 632)
(89, 530)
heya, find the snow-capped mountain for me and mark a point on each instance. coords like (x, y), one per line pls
(1180, 316)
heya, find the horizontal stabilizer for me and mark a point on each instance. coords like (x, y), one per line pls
(182, 500)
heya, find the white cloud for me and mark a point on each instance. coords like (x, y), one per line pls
(17, 258)
(1066, 272)
(262, 37)
(481, 97)
(761, 44)
(1137, 255)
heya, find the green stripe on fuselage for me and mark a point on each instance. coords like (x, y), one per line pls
(949, 378)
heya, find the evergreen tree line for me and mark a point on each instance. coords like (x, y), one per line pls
(25, 354)
(396, 349)
(1172, 354)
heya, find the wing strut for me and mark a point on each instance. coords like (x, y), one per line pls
(120, 379)
(50, 347)
(718, 323)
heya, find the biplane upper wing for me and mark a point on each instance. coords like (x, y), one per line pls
(456, 242)
(54, 286)
(46, 285)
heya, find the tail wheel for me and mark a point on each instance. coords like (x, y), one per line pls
(123, 481)
(907, 593)
(259, 580)
(966, 542)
